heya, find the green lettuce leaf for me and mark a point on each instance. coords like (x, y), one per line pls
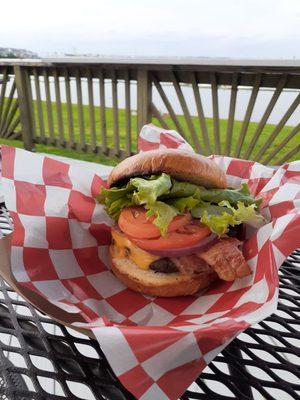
(107, 196)
(165, 198)
(114, 209)
(220, 218)
(183, 203)
(210, 209)
(231, 195)
(164, 214)
(245, 214)
(182, 189)
(220, 223)
(115, 199)
(148, 190)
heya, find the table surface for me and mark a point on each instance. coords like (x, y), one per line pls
(41, 359)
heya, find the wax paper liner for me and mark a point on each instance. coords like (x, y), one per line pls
(156, 346)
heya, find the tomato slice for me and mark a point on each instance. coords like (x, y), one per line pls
(189, 235)
(133, 222)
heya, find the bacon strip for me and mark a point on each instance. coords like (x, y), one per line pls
(226, 259)
(223, 258)
(191, 264)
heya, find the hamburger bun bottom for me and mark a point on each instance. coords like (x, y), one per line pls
(157, 284)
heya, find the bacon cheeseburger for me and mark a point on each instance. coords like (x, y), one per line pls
(177, 223)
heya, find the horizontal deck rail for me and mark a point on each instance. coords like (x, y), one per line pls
(98, 106)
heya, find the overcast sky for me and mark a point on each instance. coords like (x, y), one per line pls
(215, 28)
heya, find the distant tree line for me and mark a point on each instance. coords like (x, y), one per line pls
(8, 55)
(9, 52)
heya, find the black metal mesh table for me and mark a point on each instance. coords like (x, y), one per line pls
(40, 359)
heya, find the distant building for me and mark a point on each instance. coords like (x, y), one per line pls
(10, 52)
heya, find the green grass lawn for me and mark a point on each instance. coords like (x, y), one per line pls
(122, 120)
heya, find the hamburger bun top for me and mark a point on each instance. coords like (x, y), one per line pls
(179, 164)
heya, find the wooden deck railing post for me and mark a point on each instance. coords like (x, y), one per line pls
(144, 98)
(173, 93)
(25, 106)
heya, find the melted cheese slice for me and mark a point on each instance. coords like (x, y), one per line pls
(123, 247)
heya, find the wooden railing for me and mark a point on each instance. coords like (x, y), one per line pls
(100, 106)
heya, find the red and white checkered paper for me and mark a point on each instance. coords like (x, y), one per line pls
(156, 346)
